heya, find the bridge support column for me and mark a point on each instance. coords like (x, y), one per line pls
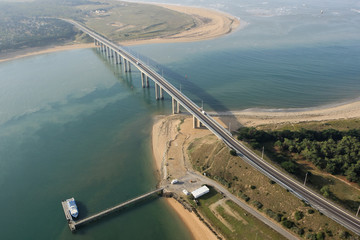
(119, 59)
(161, 93)
(147, 84)
(175, 106)
(129, 66)
(194, 122)
(116, 58)
(143, 80)
(125, 65)
(156, 91)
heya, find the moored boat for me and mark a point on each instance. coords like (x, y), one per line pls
(72, 207)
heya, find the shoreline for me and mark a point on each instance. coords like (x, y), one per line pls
(256, 117)
(219, 24)
(165, 137)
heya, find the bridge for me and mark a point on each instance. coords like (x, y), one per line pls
(325, 206)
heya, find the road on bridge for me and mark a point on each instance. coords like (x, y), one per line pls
(317, 201)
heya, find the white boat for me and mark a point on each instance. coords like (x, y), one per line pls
(72, 207)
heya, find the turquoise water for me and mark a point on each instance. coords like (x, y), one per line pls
(82, 132)
(73, 124)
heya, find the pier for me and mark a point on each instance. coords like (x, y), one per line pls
(73, 225)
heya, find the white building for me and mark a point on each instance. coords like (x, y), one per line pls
(200, 191)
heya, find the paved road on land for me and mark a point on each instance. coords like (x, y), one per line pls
(326, 207)
(190, 176)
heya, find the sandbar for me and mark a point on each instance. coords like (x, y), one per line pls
(258, 117)
(210, 24)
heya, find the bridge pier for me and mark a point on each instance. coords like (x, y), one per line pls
(196, 123)
(129, 66)
(156, 91)
(125, 64)
(161, 93)
(143, 79)
(175, 106)
(147, 84)
(116, 58)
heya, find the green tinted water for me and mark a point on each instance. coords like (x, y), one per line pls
(74, 125)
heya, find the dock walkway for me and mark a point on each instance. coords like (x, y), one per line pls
(74, 224)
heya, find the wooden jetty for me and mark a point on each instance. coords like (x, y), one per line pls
(74, 224)
(68, 216)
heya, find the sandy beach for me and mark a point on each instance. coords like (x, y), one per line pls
(196, 227)
(254, 117)
(210, 24)
(168, 145)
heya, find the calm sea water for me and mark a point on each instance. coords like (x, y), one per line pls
(73, 124)
(79, 131)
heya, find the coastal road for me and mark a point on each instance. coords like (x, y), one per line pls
(190, 176)
(317, 201)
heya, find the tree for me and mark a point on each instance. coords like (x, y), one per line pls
(290, 166)
(325, 191)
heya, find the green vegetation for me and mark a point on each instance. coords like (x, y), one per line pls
(234, 222)
(36, 23)
(17, 33)
(251, 186)
(326, 155)
(257, 204)
(336, 152)
(299, 215)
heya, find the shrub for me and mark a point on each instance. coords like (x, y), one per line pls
(289, 166)
(287, 223)
(244, 196)
(278, 217)
(311, 211)
(325, 191)
(320, 235)
(253, 187)
(329, 233)
(270, 213)
(299, 215)
(257, 204)
(233, 152)
(344, 234)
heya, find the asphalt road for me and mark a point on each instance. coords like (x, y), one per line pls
(200, 179)
(325, 206)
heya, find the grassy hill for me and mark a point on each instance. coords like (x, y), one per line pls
(32, 24)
